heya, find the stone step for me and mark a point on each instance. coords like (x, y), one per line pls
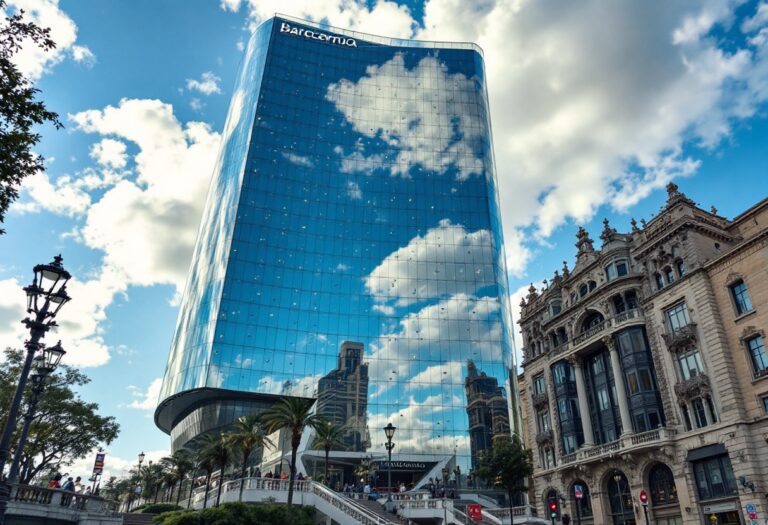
(377, 508)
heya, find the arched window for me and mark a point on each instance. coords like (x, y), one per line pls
(583, 290)
(555, 307)
(592, 285)
(659, 281)
(662, 485)
(620, 498)
(619, 305)
(585, 503)
(592, 320)
(669, 275)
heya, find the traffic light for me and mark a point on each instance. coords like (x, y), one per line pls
(553, 508)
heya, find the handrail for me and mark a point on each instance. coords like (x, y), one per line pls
(346, 505)
(31, 494)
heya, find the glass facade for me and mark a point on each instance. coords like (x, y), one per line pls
(351, 235)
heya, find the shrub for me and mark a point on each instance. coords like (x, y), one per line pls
(157, 508)
(240, 514)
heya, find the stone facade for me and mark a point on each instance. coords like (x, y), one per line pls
(645, 369)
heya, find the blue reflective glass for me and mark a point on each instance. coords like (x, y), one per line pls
(351, 250)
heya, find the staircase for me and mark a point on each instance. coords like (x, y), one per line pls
(378, 509)
(138, 519)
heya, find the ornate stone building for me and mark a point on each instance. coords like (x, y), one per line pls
(645, 369)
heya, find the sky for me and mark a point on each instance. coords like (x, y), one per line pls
(595, 107)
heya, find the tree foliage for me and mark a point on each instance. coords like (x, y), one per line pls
(248, 435)
(65, 429)
(20, 111)
(293, 414)
(240, 514)
(507, 465)
(327, 437)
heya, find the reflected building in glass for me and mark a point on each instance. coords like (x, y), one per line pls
(354, 199)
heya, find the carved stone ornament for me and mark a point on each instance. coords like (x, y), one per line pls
(682, 339)
(693, 388)
(539, 400)
(544, 437)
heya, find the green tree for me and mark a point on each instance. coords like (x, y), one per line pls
(151, 479)
(204, 462)
(327, 437)
(248, 435)
(179, 464)
(216, 447)
(507, 465)
(65, 428)
(20, 111)
(293, 414)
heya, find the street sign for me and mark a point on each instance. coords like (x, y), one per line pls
(475, 512)
(753, 515)
(578, 491)
(751, 507)
(643, 498)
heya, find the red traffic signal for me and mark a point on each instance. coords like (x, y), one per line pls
(553, 507)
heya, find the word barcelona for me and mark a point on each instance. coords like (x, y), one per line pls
(315, 35)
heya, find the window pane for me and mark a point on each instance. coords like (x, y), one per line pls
(759, 357)
(621, 268)
(741, 297)
(677, 317)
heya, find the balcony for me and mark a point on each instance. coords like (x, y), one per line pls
(588, 334)
(681, 339)
(539, 400)
(544, 437)
(697, 386)
(633, 315)
(624, 445)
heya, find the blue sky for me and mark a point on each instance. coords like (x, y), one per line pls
(595, 107)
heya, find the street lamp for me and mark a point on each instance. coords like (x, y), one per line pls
(138, 474)
(389, 431)
(44, 365)
(45, 297)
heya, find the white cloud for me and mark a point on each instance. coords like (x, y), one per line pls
(64, 196)
(581, 125)
(383, 17)
(422, 425)
(353, 191)
(299, 160)
(110, 153)
(445, 132)
(33, 61)
(157, 214)
(80, 320)
(83, 55)
(146, 400)
(208, 85)
(113, 465)
(446, 260)
(472, 323)
(450, 373)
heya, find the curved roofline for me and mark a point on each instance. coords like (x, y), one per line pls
(383, 40)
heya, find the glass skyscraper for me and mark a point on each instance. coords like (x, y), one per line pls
(351, 233)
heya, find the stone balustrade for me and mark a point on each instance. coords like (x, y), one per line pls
(624, 444)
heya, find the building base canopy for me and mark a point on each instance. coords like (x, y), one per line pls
(188, 415)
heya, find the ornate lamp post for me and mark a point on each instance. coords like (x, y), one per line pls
(45, 297)
(133, 487)
(44, 365)
(389, 431)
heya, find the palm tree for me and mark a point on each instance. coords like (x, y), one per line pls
(248, 435)
(204, 462)
(328, 436)
(179, 464)
(216, 447)
(294, 414)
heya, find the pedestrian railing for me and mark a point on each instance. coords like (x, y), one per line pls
(42, 496)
